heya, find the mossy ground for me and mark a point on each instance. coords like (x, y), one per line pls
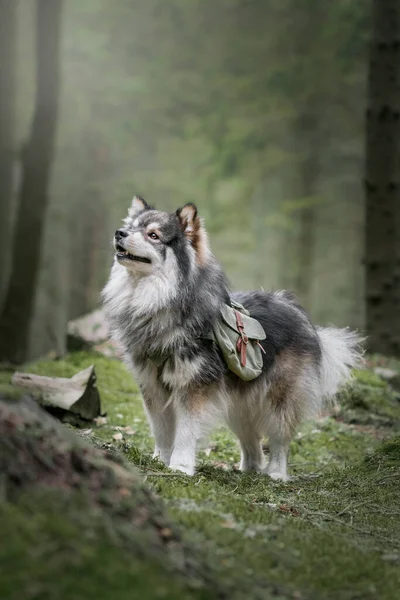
(331, 532)
(46, 556)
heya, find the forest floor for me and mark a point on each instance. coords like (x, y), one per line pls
(332, 532)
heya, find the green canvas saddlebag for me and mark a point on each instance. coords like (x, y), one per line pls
(238, 336)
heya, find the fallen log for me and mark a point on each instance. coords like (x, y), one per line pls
(61, 396)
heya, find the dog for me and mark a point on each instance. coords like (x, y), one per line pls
(164, 293)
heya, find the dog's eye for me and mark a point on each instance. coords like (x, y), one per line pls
(153, 236)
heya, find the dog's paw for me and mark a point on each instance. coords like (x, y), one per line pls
(188, 469)
(162, 456)
(276, 476)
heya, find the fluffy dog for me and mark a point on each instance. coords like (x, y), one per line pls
(164, 294)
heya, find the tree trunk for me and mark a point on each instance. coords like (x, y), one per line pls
(305, 43)
(7, 103)
(37, 157)
(90, 231)
(382, 181)
(307, 139)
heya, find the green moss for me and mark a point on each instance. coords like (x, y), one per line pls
(332, 532)
(336, 535)
(58, 548)
(6, 389)
(390, 450)
(370, 399)
(62, 502)
(366, 377)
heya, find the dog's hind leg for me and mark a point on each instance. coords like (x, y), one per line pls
(252, 457)
(280, 427)
(277, 465)
(289, 398)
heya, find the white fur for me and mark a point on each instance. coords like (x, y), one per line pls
(188, 432)
(277, 466)
(340, 353)
(128, 288)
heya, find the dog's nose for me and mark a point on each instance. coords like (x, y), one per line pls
(120, 233)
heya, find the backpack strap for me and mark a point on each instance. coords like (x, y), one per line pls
(243, 340)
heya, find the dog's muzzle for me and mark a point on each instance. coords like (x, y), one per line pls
(122, 253)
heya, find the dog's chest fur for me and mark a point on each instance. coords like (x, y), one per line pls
(149, 328)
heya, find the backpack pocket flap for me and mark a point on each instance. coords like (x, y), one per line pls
(252, 328)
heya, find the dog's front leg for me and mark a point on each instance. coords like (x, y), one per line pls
(162, 424)
(187, 433)
(161, 417)
(192, 421)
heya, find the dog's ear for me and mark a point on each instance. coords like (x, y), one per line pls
(188, 219)
(192, 227)
(138, 205)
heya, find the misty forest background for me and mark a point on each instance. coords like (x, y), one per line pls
(253, 109)
(281, 121)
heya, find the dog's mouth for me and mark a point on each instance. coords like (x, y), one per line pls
(123, 254)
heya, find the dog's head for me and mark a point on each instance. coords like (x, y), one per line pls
(152, 239)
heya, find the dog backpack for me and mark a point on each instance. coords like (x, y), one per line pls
(238, 336)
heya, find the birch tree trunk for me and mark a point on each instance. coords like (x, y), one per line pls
(382, 181)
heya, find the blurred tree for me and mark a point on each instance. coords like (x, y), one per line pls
(90, 229)
(251, 108)
(7, 103)
(16, 317)
(308, 144)
(307, 60)
(382, 181)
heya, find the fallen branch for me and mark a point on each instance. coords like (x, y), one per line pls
(78, 395)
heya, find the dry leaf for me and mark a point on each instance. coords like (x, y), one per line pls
(128, 430)
(118, 436)
(166, 532)
(228, 524)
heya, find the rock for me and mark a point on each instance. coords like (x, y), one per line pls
(389, 375)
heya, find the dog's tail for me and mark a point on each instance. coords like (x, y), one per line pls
(341, 351)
